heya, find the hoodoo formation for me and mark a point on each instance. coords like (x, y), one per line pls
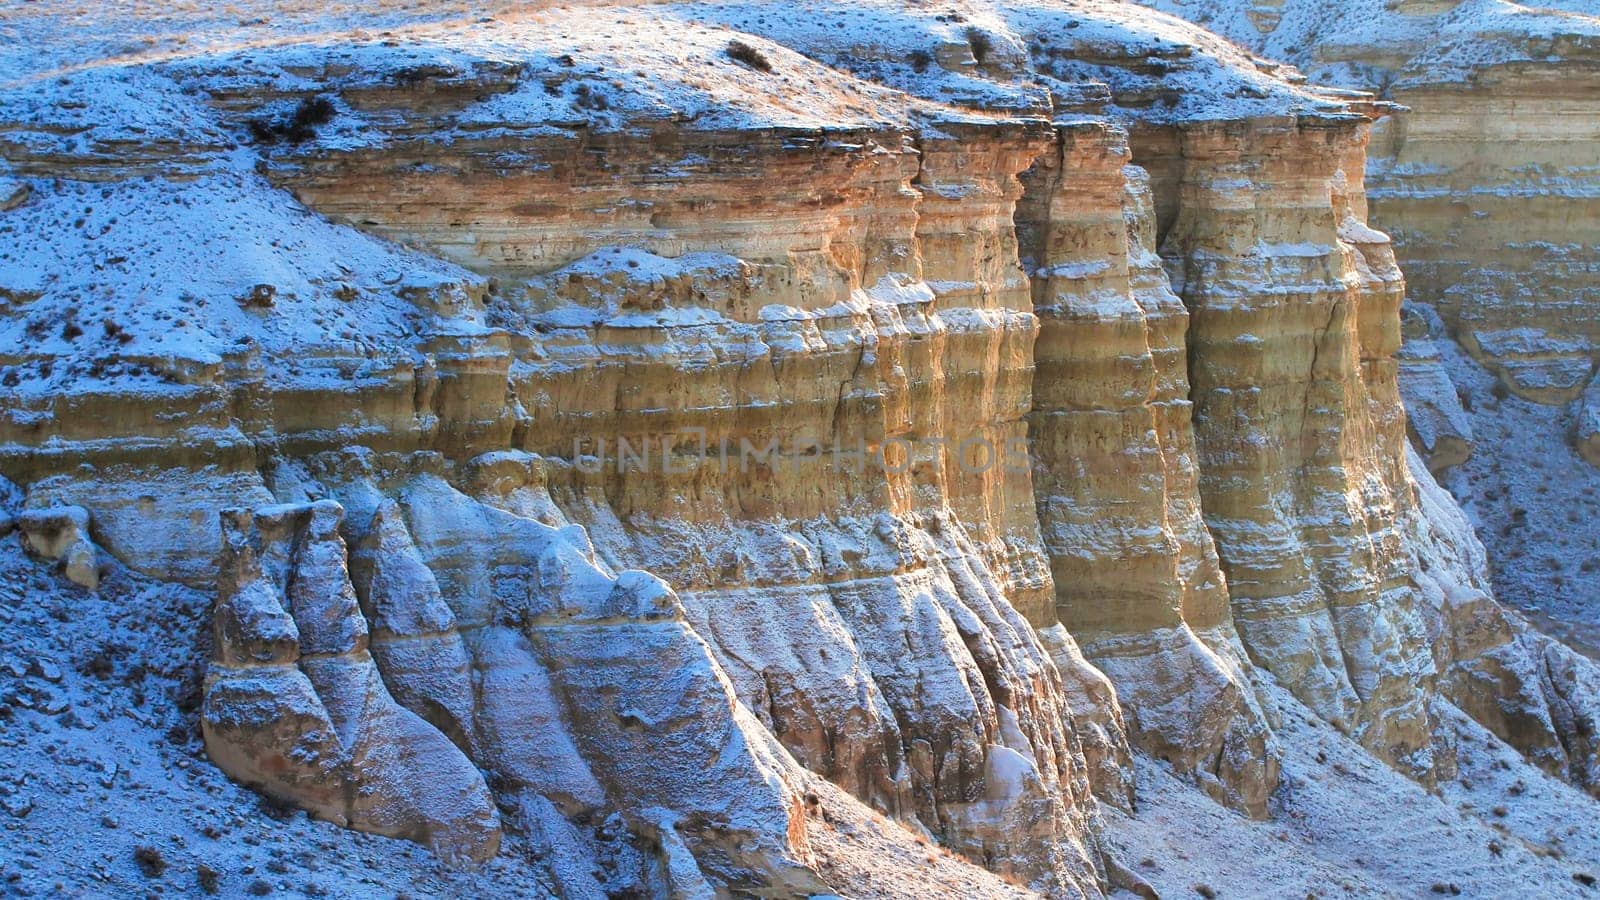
(713, 449)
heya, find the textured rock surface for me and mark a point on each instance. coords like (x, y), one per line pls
(636, 431)
(1491, 178)
(1523, 686)
(1436, 416)
(61, 533)
(1294, 324)
(1116, 470)
(296, 707)
(1487, 181)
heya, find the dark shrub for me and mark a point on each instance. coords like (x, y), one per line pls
(313, 111)
(261, 131)
(150, 861)
(739, 51)
(301, 126)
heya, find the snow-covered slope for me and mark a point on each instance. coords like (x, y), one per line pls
(548, 436)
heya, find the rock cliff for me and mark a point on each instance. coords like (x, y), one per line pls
(1484, 174)
(714, 448)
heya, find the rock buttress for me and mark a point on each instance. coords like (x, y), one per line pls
(1136, 573)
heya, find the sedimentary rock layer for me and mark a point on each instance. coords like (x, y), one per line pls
(1294, 323)
(1136, 571)
(1504, 250)
(1486, 174)
(640, 429)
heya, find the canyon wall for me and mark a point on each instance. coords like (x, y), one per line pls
(1484, 173)
(1137, 577)
(692, 455)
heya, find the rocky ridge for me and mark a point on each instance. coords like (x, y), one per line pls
(469, 263)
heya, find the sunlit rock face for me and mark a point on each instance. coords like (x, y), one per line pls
(712, 465)
(1136, 571)
(1483, 175)
(747, 355)
(1491, 183)
(296, 707)
(1294, 323)
(1505, 255)
(1486, 174)
(868, 610)
(1328, 528)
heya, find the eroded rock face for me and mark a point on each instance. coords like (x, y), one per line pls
(575, 675)
(1490, 186)
(1486, 177)
(551, 676)
(1437, 420)
(664, 488)
(296, 707)
(1136, 572)
(61, 533)
(1294, 323)
(1531, 690)
(872, 610)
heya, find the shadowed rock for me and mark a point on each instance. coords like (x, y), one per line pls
(294, 704)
